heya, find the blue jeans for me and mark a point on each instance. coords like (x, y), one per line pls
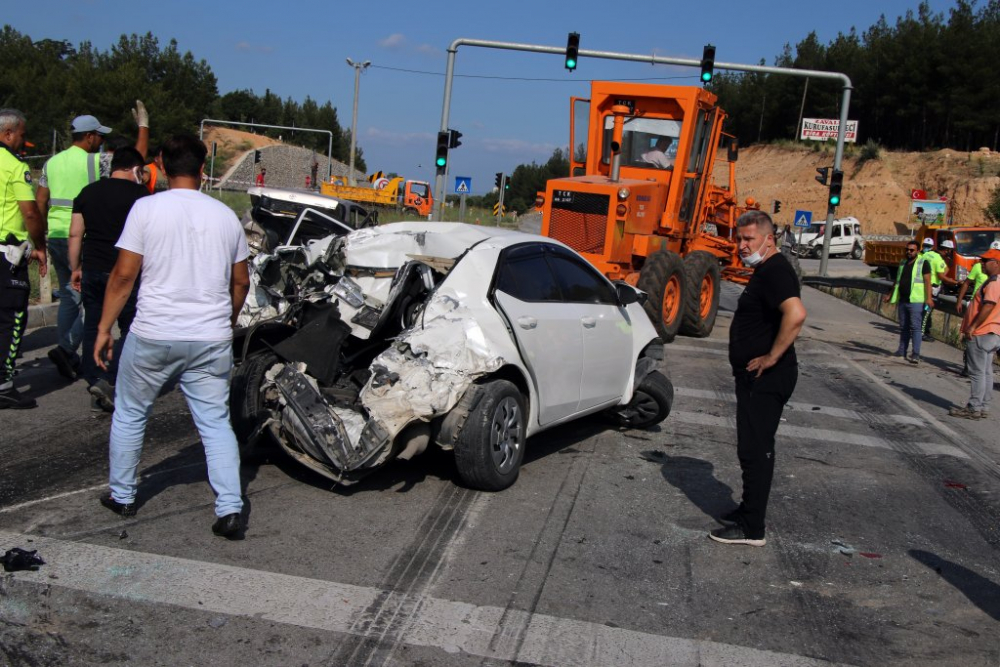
(93, 286)
(69, 319)
(910, 319)
(203, 368)
(981, 351)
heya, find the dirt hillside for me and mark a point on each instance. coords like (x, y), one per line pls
(878, 191)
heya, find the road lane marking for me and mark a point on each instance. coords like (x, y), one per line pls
(823, 434)
(331, 606)
(808, 408)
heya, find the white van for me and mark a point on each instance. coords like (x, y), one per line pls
(845, 239)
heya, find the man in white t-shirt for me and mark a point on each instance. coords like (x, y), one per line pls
(658, 156)
(192, 253)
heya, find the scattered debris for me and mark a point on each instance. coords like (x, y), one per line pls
(218, 621)
(954, 485)
(18, 559)
(869, 554)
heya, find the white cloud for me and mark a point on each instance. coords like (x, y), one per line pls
(255, 48)
(518, 147)
(390, 137)
(394, 41)
(428, 50)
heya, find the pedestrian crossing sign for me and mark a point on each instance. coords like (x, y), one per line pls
(803, 218)
(463, 185)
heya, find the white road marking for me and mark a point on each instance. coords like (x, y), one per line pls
(809, 408)
(826, 435)
(331, 606)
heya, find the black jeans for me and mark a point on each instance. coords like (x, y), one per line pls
(14, 292)
(92, 288)
(759, 403)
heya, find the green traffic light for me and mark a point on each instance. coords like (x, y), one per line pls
(570, 63)
(441, 162)
(706, 76)
(835, 201)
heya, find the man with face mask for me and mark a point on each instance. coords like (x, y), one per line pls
(99, 214)
(768, 318)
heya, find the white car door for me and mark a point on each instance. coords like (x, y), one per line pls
(549, 332)
(607, 331)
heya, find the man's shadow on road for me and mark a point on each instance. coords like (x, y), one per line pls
(980, 591)
(696, 479)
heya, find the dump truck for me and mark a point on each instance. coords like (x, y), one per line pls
(641, 202)
(412, 197)
(884, 254)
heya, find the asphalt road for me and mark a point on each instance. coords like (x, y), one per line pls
(882, 542)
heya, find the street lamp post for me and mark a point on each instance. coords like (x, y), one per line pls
(358, 69)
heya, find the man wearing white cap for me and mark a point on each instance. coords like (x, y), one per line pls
(64, 175)
(939, 273)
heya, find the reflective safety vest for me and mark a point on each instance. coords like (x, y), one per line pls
(938, 265)
(66, 173)
(978, 277)
(916, 281)
(15, 186)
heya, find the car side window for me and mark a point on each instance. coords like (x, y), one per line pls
(580, 283)
(836, 231)
(525, 275)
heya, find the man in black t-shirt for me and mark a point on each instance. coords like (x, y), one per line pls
(768, 318)
(99, 214)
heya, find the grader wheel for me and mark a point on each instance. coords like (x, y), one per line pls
(701, 303)
(662, 277)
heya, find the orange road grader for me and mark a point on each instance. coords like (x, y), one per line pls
(641, 203)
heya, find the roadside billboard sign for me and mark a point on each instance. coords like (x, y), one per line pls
(821, 129)
(928, 211)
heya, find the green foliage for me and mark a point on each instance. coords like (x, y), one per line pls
(928, 80)
(992, 209)
(53, 81)
(526, 181)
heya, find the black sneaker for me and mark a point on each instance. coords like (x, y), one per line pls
(63, 362)
(228, 526)
(734, 535)
(102, 395)
(12, 399)
(124, 510)
(731, 517)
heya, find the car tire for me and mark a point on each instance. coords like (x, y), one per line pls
(490, 447)
(247, 406)
(662, 278)
(651, 403)
(857, 251)
(701, 294)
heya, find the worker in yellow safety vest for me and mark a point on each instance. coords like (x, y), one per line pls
(22, 239)
(912, 293)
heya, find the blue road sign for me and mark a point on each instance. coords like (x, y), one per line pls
(463, 185)
(803, 218)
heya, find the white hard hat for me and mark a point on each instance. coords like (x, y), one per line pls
(928, 241)
(995, 245)
(947, 243)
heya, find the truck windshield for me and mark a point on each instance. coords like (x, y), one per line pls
(973, 244)
(815, 228)
(419, 189)
(646, 142)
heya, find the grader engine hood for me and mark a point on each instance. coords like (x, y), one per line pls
(591, 213)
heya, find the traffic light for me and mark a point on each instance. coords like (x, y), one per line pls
(572, 50)
(707, 63)
(453, 138)
(256, 157)
(441, 161)
(499, 180)
(506, 183)
(824, 173)
(777, 207)
(836, 185)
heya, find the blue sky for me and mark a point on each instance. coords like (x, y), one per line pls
(299, 49)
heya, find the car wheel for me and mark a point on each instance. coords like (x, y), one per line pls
(856, 251)
(247, 405)
(490, 448)
(650, 403)
(701, 294)
(662, 277)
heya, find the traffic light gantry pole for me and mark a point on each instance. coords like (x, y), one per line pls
(648, 59)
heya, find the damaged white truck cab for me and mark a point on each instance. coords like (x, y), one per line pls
(365, 348)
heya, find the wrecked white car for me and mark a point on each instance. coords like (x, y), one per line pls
(364, 348)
